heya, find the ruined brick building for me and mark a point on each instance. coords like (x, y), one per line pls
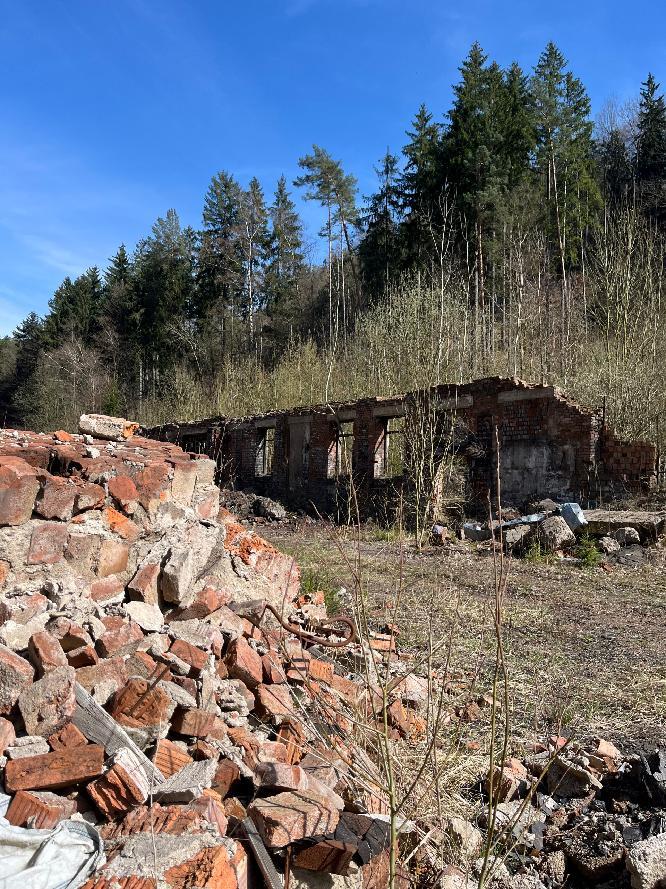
(306, 457)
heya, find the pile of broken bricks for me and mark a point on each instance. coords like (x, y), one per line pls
(141, 694)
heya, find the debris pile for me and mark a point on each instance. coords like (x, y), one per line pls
(573, 814)
(151, 705)
(620, 535)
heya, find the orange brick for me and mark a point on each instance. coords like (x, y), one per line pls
(169, 758)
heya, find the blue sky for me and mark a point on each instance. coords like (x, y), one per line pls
(112, 111)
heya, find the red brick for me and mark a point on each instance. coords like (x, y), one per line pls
(112, 671)
(193, 722)
(291, 735)
(272, 667)
(144, 583)
(56, 499)
(113, 557)
(68, 736)
(195, 657)
(280, 776)
(45, 652)
(88, 496)
(70, 634)
(138, 705)
(275, 701)
(19, 484)
(227, 774)
(49, 703)
(106, 590)
(47, 543)
(119, 634)
(327, 856)
(320, 671)
(122, 787)
(124, 492)
(244, 663)
(153, 486)
(169, 758)
(288, 817)
(120, 524)
(50, 771)
(208, 869)
(44, 810)
(85, 656)
(7, 734)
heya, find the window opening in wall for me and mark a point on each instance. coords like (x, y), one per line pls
(392, 448)
(265, 452)
(342, 450)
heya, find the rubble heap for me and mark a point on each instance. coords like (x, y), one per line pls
(143, 693)
(571, 813)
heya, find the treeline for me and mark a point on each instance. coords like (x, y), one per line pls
(509, 236)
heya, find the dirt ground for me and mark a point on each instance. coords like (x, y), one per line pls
(585, 647)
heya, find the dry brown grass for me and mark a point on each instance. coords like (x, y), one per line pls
(584, 647)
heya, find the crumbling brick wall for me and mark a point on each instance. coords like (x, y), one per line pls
(548, 447)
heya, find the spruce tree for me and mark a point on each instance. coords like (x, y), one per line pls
(516, 127)
(615, 168)
(163, 287)
(564, 153)
(651, 150)
(285, 250)
(421, 186)
(380, 248)
(254, 237)
(220, 264)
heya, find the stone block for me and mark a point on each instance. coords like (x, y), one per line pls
(15, 674)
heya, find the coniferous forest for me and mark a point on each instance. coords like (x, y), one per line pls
(510, 235)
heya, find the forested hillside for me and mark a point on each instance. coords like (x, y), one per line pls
(508, 235)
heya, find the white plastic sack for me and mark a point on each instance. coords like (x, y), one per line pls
(61, 858)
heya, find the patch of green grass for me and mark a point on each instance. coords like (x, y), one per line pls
(385, 535)
(315, 579)
(587, 552)
(535, 555)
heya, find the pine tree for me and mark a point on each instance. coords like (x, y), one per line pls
(326, 182)
(285, 250)
(651, 150)
(379, 249)
(421, 186)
